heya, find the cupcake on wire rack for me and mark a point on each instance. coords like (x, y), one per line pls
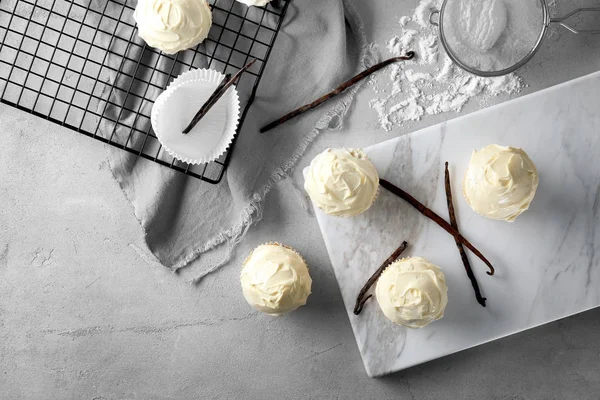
(176, 107)
(173, 26)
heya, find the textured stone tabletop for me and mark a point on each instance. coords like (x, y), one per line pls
(85, 312)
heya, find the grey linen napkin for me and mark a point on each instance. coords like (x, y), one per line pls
(321, 43)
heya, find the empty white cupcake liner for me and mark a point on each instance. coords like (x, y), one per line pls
(176, 106)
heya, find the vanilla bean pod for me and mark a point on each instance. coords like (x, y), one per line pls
(437, 219)
(361, 299)
(217, 94)
(463, 255)
(409, 55)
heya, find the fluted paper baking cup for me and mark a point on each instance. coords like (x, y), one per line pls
(175, 108)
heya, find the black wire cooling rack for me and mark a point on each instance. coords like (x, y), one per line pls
(80, 64)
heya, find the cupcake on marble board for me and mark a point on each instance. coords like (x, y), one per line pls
(500, 182)
(175, 108)
(412, 292)
(173, 25)
(342, 182)
(275, 279)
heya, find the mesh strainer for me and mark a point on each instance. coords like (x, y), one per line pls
(492, 46)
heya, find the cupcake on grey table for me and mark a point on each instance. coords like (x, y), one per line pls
(275, 279)
(342, 182)
(173, 25)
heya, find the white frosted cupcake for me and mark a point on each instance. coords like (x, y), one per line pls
(275, 279)
(342, 182)
(173, 25)
(412, 292)
(500, 182)
(175, 108)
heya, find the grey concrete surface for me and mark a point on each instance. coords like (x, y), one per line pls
(86, 312)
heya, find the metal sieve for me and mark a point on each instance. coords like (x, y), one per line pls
(455, 50)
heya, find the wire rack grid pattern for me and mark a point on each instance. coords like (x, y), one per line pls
(80, 64)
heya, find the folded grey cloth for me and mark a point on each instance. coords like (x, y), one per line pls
(321, 43)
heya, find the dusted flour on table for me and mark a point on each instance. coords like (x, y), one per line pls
(430, 84)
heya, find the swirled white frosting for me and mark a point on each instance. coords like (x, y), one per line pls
(342, 182)
(275, 279)
(500, 182)
(412, 292)
(173, 25)
(257, 3)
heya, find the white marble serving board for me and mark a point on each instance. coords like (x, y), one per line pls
(546, 261)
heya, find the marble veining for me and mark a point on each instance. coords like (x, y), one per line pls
(546, 261)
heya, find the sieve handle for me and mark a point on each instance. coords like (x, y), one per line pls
(434, 17)
(560, 20)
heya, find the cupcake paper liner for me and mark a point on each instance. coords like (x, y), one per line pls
(175, 108)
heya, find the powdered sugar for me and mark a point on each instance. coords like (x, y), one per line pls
(429, 84)
(396, 44)
(492, 35)
(413, 76)
(404, 20)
